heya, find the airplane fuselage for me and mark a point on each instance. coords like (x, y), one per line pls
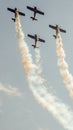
(35, 11)
(16, 13)
(36, 38)
(57, 29)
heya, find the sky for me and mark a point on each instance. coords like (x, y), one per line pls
(19, 108)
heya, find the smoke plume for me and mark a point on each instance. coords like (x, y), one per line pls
(9, 90)
(63, 66)
(59, 110)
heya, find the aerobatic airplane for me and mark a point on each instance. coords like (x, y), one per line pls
(35, 10)
(15, 10)
(57, 28)
(36, 38)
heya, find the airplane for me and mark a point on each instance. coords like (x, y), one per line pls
(36, 38)
(35, 10)
(57, 28)
(15, 10)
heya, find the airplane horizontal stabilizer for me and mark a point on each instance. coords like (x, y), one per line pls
(33, 18)
(13, 19)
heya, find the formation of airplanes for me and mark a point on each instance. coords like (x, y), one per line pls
(35, 10)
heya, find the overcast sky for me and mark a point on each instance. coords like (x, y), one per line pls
(18, 108)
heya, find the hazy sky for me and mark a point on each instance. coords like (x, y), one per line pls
(18, 108)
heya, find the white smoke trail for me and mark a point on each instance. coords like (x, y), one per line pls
(26, 56)
(38, 63)
(59, 110)
(67, 77)
(10, 90)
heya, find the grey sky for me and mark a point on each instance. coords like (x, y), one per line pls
(24, 112)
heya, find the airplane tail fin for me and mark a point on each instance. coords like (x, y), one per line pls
(33, 18)
(13, 19)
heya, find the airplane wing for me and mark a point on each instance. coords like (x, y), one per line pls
(20, 13)
(30, 8)
(62, 30)
(40, 12)
(13, 10)
(31, 36)
(41, 40)
(53, 27)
